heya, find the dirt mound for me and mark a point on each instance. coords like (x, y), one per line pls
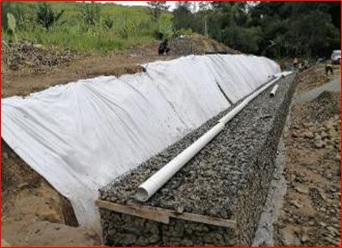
(198, 44)
(325, 106)
(184, 45)
(204, 45)
(27, 54)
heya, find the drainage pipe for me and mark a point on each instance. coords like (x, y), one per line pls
(274, 90)
(225, 119)
(283, 74)
(158, 179)
(149, 187)
(286, 73)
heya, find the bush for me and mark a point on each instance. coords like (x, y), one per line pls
(90, 13)
(46, 16)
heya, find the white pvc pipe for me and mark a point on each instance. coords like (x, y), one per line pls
(149, 187)
(225, 119)
(158, 179)
(274, 90)
(283, 74)
(286, 73)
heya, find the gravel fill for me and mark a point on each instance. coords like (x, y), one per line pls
(210, 182)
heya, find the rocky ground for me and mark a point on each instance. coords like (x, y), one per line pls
(310, 215)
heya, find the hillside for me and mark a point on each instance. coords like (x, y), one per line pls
(84, 27)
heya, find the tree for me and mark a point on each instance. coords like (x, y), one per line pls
(156, 8)
(274, 29)
(297, 29)
(203, 6)
(46, 16)
(90, 13)
(182, 16)
(313, 33)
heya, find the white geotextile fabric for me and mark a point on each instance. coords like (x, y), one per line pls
(83, 135)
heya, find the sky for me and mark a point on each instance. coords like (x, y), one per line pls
(140, 3)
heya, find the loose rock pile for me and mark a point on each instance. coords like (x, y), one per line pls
(320, 135)
(35, 56)
(228, 179)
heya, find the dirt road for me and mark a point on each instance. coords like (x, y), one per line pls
(304, 201)
(310, 215)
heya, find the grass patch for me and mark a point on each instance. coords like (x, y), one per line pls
(130, 26)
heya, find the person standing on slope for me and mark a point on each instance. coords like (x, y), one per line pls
(163, 48)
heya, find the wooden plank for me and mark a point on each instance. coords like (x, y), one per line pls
(131, 210)
(163, 215)
(206, 220)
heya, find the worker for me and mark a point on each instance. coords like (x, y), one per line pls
(295, 62)
(163, 48)
(329, 69)
(306, 64)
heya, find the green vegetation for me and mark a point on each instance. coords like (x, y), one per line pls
(273, 29)
(12, 27)
(91, 13)
(46, 16)
(84, 27)
(156, 9)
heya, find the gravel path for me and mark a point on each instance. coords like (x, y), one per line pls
(333, 86)
(209, 183)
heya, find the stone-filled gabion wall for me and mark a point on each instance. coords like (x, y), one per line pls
(126, 230)
(228, 179)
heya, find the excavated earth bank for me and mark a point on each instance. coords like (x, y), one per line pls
(228, 179)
